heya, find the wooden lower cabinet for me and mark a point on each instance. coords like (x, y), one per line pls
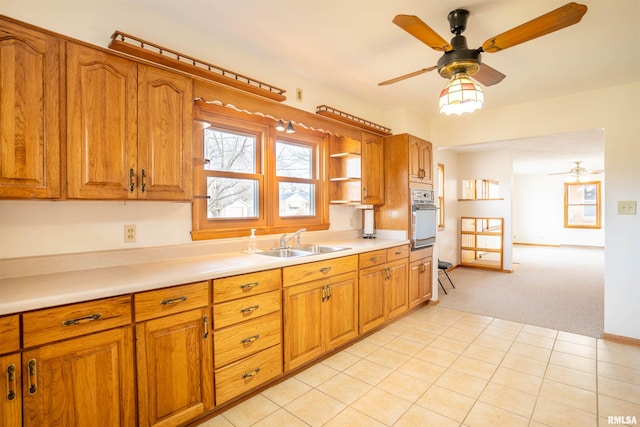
(10, 391)
(383, 288)
(319, 316)
(85, 381)
(420, 276)
(175, 368)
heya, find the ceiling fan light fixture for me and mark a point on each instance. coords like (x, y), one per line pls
(461, 95)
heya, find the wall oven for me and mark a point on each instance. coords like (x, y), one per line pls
(424, 218)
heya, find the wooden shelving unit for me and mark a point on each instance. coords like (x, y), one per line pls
(345, 171)
(481, 242)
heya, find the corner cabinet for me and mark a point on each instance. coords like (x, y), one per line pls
(129, 129)
(356, 170)
(29, 113)
(10, 374)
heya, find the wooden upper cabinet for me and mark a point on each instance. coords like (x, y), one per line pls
(101, 125)
(29, 113)
(420, 156)
(372, 169)
(165, 116)
(129, 129)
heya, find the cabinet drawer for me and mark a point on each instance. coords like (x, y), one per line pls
(9, 333)
(162, 302)
(60, 323)
(370, 259)
(246, 338)
(235, 287)
(236, 311)
(398, 252)
(248, 373)
(421, 253)
(318, 270)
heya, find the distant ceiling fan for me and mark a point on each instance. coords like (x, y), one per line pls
(458, 58)
(578, 172)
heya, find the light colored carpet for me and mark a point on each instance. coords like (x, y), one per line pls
(559, 288)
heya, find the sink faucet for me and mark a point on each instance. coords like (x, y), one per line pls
(284, 240)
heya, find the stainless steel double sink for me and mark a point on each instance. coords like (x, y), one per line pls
(299, 251)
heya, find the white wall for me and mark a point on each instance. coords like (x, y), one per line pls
(614, 109)
(538, 213)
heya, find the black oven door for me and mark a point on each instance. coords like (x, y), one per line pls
(424, 224)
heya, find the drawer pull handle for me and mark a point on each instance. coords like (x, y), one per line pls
(373, 259)
(328, 292)
(249, 340)
(205, 321)
(173, 300)
(325, 270)
(31, 378)
(249, 309)
(11, 382)
(249, 285)
(251, 374)
(398, 252)
(89, 318)
(324, 294)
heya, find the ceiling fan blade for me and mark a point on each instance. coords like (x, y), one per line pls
(406, 76)
(418, 29)
(488, 76)
(564, 16)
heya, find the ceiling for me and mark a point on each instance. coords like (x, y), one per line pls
(349, 46)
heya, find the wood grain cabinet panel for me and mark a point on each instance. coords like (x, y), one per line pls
(9, 333)
(129, 129)
(10, 391)
(166, 301)
(175, 368)
(29, 113)
(85, 381)
(243, 285)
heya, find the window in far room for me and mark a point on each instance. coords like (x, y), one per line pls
(440, 196)
(582, 204)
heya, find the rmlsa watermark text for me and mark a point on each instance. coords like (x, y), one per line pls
(622, 419)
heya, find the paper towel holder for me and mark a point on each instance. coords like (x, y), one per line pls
(368, 231)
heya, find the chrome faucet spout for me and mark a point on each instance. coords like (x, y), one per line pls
(284, 240)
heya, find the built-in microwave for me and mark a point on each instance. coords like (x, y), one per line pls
(424, 218)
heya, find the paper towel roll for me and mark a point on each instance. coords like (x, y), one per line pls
(368, 221)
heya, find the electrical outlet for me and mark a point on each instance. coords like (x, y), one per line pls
(130, 233)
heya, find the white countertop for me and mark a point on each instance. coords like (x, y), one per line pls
(29, 292)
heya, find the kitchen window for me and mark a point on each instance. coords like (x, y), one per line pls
(248, 175)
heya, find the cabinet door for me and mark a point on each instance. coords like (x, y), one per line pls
(175, 368)
(165, 104)
(372, 180)
(420, 160)
(371, 304)
(10, 391)
(303, 340)
(396, 288)
(101, 125)
(340, 309)
(419, 282)
(86, 381)
(29, 113)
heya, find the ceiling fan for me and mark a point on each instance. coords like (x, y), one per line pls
(578, 172)
(458, 58)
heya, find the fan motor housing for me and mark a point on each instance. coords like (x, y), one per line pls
(459, 59)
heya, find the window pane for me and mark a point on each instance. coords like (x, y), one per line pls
(232, 152)
(582, 215)
(232, 198)
(296, 199)
(582, 194)
(293, 160)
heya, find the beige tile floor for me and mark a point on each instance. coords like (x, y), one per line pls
(439, 367)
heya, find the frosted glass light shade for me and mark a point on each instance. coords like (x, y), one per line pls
(461, 95)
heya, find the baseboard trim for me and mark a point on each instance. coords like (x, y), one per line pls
(621, 339)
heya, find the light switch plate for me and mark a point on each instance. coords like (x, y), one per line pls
(627, 207)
